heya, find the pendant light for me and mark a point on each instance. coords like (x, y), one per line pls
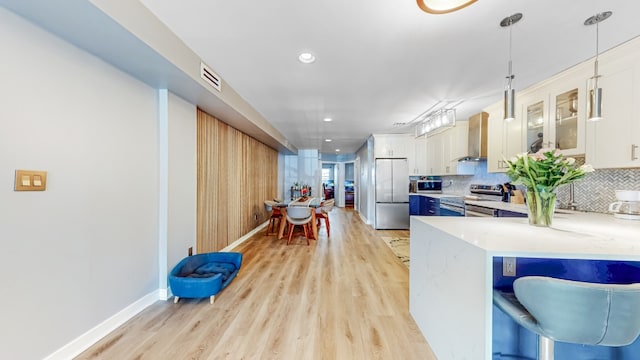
(509, 91)
(594, 109)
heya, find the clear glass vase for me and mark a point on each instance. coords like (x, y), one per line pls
(541, 206)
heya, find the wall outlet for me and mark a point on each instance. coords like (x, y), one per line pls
(508, 266)
(190, 251)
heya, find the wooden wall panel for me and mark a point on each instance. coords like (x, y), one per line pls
(236, 174)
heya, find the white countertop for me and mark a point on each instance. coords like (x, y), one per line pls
(572, 235)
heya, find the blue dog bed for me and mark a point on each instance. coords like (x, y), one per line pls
(204, 275)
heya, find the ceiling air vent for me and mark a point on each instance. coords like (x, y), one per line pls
(210, 77)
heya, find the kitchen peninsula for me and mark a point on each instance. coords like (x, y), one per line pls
(453, 260)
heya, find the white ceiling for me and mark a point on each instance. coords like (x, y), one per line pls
(382, 62)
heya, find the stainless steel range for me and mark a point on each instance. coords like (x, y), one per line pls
(483, 193)
(491, 192)
(488, 194)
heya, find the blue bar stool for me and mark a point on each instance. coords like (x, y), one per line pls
(573, 311)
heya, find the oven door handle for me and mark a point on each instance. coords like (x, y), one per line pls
(472, 210)
(469, 213)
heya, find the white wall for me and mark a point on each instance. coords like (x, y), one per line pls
(366, 192)
(304, 168)
(88, 247)
(182, 180)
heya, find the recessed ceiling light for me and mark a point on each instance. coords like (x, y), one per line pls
(327, 119)
(328, 140)
(306, 58)
(337, 150)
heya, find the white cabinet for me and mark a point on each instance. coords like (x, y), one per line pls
(434, 154)
(554, 114)
(393, 145)
(418, 163)
(614, 141)
(504, 138)
(445, 148)
(455, 145)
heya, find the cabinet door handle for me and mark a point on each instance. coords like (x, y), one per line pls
(633, 152)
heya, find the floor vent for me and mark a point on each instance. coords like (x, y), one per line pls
(210, 77)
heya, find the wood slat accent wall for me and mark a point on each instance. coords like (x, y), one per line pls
(236, 174)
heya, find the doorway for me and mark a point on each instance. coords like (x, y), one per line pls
(329, 180)
(349, 184)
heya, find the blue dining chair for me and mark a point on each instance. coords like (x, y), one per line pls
(573, 311)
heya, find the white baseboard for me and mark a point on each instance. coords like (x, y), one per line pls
(164, 294)
(245, 237)
(364, 220)
(86, 340)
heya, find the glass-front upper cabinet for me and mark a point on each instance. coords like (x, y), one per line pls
(566, 120)
(567, 117)
(535, 118)
(554, 117)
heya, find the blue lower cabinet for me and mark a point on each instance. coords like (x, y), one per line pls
(414, 204)
(430, 206)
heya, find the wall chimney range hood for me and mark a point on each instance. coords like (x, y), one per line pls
(477, 139)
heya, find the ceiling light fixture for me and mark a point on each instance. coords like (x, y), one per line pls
(594, 109)
(337, 150)
(328, 140)
(437, 120)
(306, 58)
(443, 6)
(327, 119)
(509, 91)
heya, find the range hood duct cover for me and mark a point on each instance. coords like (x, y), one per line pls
(477, 137)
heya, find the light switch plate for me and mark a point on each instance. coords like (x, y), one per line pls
(30, 180)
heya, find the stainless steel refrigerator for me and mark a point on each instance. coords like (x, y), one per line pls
(392, 194)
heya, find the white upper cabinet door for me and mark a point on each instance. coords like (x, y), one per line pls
(455, 145)
(567, 112)
(535, 114)
(434, 155)
(459, 143)
(504, 137)
(393, 145)
(420, 156)
(495, 138)
(613, 141)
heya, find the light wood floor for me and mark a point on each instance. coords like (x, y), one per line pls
(343, 297)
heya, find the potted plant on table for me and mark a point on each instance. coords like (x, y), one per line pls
(542, 173)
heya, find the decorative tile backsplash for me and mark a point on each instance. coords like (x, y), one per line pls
(594, 193)
(597, 190)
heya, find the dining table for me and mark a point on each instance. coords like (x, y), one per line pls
(311, 202)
